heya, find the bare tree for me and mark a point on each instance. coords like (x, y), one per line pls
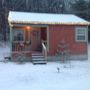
(44, 6)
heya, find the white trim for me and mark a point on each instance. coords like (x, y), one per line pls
(76, 33)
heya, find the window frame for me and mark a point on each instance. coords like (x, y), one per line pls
(79, 34)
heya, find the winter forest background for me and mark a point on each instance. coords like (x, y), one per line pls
(77, 7)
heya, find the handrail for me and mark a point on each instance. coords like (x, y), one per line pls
(45, 42)
(44, 50)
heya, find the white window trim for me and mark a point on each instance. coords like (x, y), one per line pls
(78, 28)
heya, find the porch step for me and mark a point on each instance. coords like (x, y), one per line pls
(37, 54)
(38, 58)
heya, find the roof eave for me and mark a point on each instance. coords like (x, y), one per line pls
(49, 23)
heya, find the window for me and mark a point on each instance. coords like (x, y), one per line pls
(18, 35)
(81, 34)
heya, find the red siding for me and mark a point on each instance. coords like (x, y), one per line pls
(43, 34)
(58, 33)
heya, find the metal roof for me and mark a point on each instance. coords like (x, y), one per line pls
(44, 18)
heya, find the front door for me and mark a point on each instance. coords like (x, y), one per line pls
(35, 39)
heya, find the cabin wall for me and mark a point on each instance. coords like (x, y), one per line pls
(58, 33)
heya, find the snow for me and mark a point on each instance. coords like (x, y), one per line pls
(44, 18)
(74, 75)
(4, 50)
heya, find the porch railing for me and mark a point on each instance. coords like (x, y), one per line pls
(44, 50)
(20, 46)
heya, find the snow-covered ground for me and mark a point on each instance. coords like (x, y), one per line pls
(4, 50)
(74, 75)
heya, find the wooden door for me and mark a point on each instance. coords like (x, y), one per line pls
(35, 39)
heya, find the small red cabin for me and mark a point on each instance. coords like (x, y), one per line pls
(49, 34)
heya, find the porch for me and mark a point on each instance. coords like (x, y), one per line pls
(28, 40)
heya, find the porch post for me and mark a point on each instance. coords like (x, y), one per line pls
(48, 38)
(10, 38)
(87, 40)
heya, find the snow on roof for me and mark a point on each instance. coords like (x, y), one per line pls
(43, 18)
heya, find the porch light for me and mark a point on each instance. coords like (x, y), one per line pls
(28, 27)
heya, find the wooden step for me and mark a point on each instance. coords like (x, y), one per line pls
(39, 62)
(37, 54)
(38, 58)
